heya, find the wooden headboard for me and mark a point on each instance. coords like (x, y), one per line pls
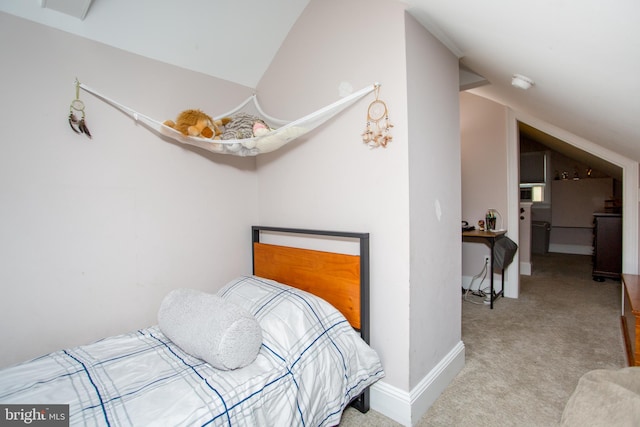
(340, 279)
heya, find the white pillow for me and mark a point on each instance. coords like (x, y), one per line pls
(206, 326)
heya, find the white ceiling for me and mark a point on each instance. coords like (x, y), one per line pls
(583, 55)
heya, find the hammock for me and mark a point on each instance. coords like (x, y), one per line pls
(274, 139)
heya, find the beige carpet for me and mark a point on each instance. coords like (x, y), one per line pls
(524, 357)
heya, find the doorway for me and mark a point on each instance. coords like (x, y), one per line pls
(629, 170)
(571, 185)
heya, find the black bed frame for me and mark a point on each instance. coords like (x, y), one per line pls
(361, 402)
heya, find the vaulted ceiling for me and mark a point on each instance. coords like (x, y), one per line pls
(583, 55)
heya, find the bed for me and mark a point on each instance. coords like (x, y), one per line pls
(313, 359)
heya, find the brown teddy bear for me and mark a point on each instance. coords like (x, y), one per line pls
(196, 123)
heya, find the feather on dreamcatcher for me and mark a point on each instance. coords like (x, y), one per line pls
(377, 132)
(79, 125)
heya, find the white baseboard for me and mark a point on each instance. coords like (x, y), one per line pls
(391, 402)
(525, 268)
(407, 408)
(571, 249)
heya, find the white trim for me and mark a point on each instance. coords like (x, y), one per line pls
(525, 268)
(431, 386)
(391, 402)
(407, 408)
(512, 279)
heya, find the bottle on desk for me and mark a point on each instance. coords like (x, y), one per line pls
(490, 221)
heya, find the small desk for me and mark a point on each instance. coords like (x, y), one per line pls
(489, 237)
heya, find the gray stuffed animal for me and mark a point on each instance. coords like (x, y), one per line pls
(240, 126)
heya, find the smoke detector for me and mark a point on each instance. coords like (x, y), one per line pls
(522, 82)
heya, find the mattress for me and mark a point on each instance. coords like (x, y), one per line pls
(311, 364)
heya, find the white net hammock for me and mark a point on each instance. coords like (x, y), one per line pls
(280, 132)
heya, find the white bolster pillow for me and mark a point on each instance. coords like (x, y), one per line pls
(210, 328)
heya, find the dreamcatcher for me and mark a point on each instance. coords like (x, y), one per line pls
(78, 125)
(377, 133)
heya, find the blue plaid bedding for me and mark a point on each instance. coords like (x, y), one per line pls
(311, 364)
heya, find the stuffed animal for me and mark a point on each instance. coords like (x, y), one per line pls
(243, 126)
(196, 123)
(260, 128)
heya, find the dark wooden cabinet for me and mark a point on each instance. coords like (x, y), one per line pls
(607, 246)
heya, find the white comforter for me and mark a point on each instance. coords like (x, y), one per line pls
(311, 364)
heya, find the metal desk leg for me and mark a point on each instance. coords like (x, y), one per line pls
(493, 243)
